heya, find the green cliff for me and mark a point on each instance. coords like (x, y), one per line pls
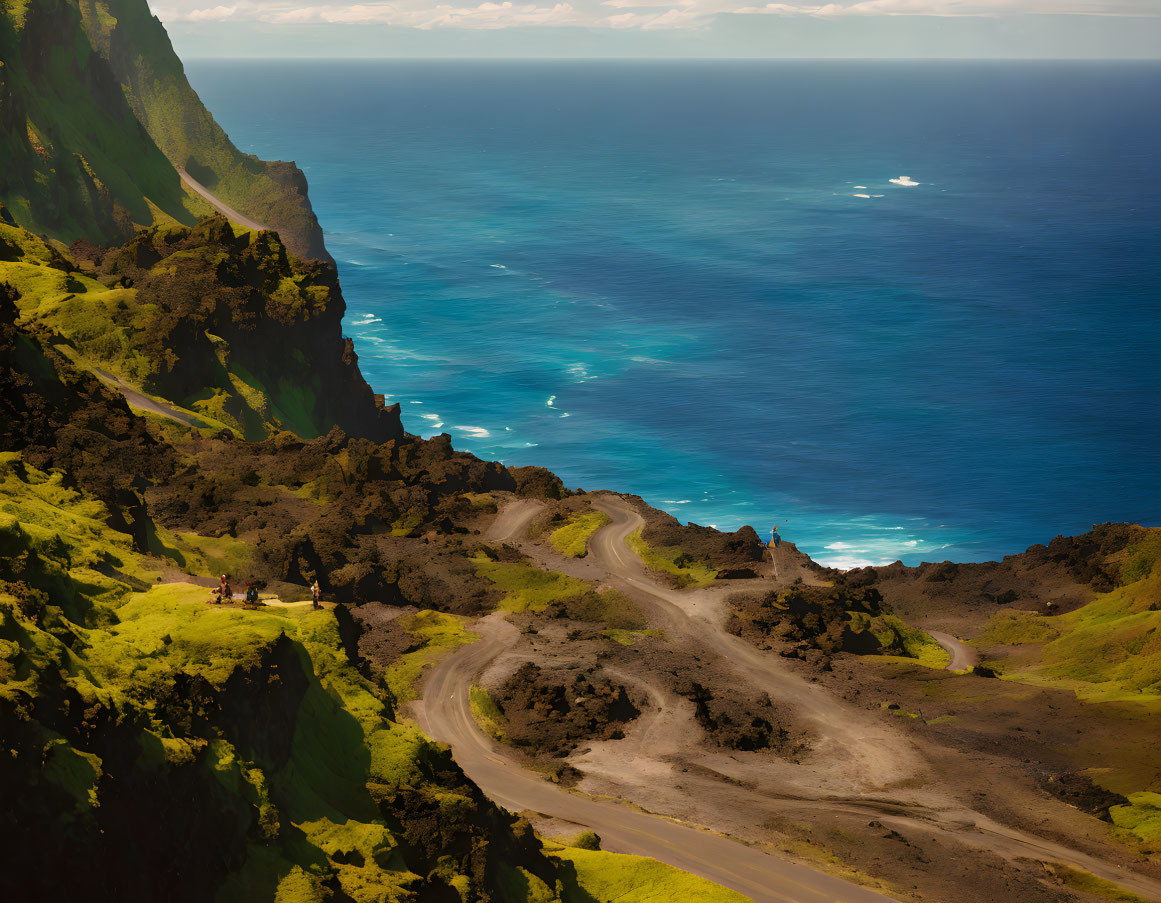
(97, 122)
(139, 53)
(74, 160)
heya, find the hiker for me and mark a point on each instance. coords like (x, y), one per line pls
(252, 594)
(315, 593)
(775, 539)
(222, 592)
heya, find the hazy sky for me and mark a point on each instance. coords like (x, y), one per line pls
(1119, 29)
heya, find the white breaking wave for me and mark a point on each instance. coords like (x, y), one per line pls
(860, 195)
(497, 266)
(551, 401)
(906, 181)
(860, 186)
(846, 562)
(476, 432)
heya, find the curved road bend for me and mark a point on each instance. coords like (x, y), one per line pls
(838, 727)
(963, 656)
(445, 714)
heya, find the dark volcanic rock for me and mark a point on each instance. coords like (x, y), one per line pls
(553, 711)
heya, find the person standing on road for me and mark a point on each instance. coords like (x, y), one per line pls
(315, 593)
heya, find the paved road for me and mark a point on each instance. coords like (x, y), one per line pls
(228, 211)
(963, 656)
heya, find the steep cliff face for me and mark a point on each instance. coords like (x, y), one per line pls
(74, 160)
(139, 53)
(225, 327)
(97, 121)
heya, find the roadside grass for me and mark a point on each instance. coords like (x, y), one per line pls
(481, 501)
(1088, 883)
(487, 714)
(636, 879)
(910, 644)
(528, 588)
(630, 637)
(679, 564)
(611, 607)
(573, 538)
(1142, 817)
(436, 635)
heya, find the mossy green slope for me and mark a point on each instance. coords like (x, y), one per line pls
(184, 751)
(1109, 649)
(75, 162)
(573, 538)
(244, 745)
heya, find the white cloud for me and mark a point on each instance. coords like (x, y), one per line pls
(212, 14)
(635, 14)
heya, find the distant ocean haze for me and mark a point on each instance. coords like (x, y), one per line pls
(697, 282)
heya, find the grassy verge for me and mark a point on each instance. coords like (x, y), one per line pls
(487, 714)
(1141, 817)
(436, 636)
(911, 645)
(630, 637)
(673, 561)
(637, 879)
(1088, 883)
(573, 538)
(481, 501)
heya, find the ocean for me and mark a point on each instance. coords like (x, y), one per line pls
(901, 310)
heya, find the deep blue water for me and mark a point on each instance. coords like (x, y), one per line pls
(660, 278)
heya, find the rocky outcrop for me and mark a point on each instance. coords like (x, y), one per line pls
(551, 712)
(213, 308)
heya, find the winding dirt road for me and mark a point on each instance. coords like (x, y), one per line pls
(963, 656)
(857, 764)
(445, 714)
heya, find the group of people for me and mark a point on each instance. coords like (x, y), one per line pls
(223, 592)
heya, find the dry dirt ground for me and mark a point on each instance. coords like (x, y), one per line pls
(927, 784)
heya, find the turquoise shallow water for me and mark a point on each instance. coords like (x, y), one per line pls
(664, 279)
